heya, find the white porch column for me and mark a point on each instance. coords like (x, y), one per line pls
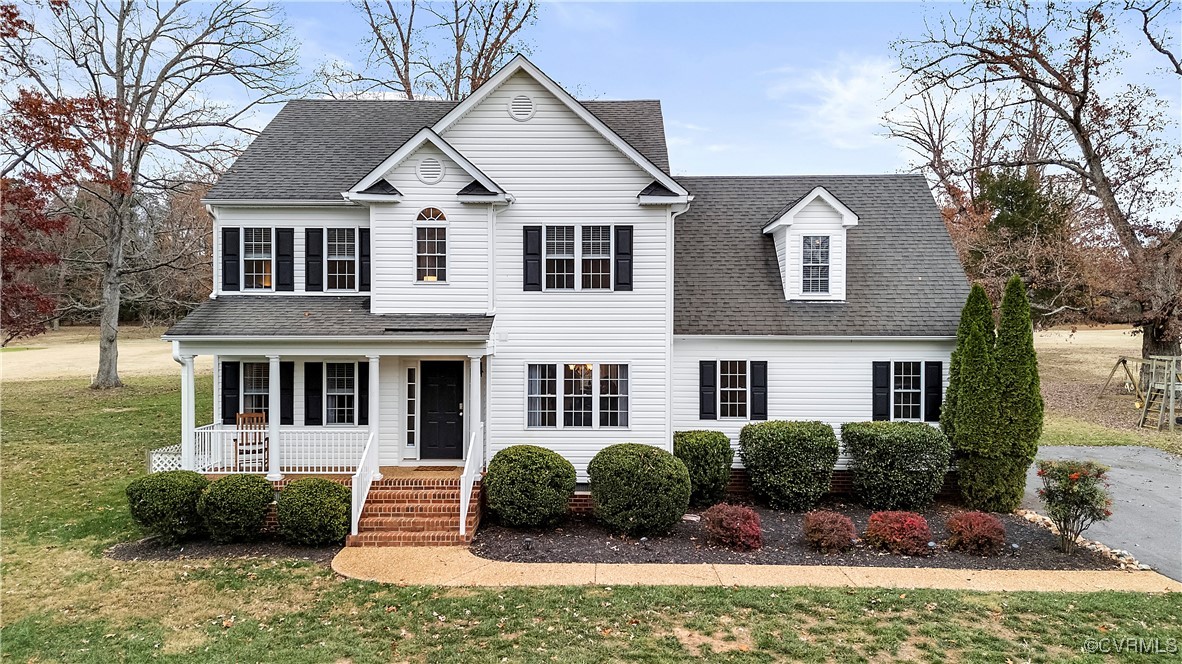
(375, 403)
(188, 416)
(475, 397)
(273, 408)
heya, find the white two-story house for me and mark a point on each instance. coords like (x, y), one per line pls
(423, 283)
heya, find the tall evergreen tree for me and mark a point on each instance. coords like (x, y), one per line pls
(977, 309)
(1020, 406)
(976, 408)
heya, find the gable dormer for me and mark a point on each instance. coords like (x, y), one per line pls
(810, 238)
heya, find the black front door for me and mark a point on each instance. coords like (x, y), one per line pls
(441, 429)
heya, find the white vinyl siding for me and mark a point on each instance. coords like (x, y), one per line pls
(298, 219)
(564, 173)
(826, 380)
(456, 277)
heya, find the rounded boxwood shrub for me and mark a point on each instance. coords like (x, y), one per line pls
(896, 465)
(166, 503)
(314, 511)
(638, 489)
(978, 533)
(708, 456)
(905, 533)
(829, 531)
(235, 507)
(527, 485)
(733, 526)
(790, 464)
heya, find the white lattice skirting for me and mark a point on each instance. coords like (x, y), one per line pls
(164, 458)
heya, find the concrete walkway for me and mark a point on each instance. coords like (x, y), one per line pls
(1146, 502)
(456, 566)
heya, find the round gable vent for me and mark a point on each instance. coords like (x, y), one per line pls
(521, 108)
(430, 170)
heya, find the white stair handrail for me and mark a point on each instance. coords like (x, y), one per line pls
(468, 477)
(368, 469)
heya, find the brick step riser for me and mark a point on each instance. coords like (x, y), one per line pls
(395, 525)
(401, 539)
(387, 495)
(410, 509)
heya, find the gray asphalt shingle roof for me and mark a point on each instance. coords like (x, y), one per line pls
(903, 274)
(315, 149)
(311, 315)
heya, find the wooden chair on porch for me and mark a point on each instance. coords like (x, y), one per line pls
(251, 445)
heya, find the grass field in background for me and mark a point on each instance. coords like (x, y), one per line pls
(69, 452)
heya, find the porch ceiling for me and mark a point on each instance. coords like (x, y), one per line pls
(328, 317)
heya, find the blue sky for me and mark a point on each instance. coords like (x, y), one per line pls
(757, 88)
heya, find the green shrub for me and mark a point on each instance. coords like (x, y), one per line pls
(708, 456)
(529, 486)
(638, 489)
(314, 511)
(235, 507)
(166, 503)
(790, 464)
(896, 465)
(1076, 496)
(991, 485)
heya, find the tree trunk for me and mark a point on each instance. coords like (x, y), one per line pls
(112, 291)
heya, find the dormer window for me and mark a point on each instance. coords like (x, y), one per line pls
(815, 265)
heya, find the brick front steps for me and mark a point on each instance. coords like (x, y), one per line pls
(406, 511)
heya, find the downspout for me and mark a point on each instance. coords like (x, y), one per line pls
(675, 211)
(493, 211)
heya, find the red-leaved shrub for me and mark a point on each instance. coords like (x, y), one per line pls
(976, 532)
(733, 526)
(905, 533)
(829, 531)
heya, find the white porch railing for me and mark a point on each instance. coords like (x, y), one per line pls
(226, 449)
(367, 471)
(471, 467)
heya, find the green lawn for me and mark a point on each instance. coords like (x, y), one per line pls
(1066, 430)
(68, 453)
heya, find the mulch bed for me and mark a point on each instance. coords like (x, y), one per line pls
(582, 540)
(152, 548)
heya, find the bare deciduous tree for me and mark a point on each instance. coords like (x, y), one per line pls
(430, 49)
(1114, 139)
(155, 68)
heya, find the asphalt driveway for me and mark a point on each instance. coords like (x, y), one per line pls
(1146, 502)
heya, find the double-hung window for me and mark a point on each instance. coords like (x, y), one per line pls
(815, 265)
(732, 389)
(582, 396)
(342, 259)
(257, 259)
(431, 246)
(907, 391)
(578, 257)
(340, 393)
(256, 377)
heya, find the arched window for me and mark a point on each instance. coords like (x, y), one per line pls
(431, 245)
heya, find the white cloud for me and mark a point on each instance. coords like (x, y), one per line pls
(689, 126)
(842, 102)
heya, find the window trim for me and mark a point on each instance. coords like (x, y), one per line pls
(242, 259)
(324, 396)
(718, 390)
(356, 259)
(578, 258)
(921, 391)
(445, 224)
(559, 413)
(828, 292)
(242, 387)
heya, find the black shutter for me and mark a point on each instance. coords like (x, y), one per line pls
(623, 258)
(363, 392)
(531, 253)
(313, 393)
(284, 259)
(759, 390)
(707, 384)
(231, 258)
(933, 390)
(363, 259)
(881, 405)
(314, 260)
(230, 392)
(287, 392)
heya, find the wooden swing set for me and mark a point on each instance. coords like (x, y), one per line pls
(1162, 397)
